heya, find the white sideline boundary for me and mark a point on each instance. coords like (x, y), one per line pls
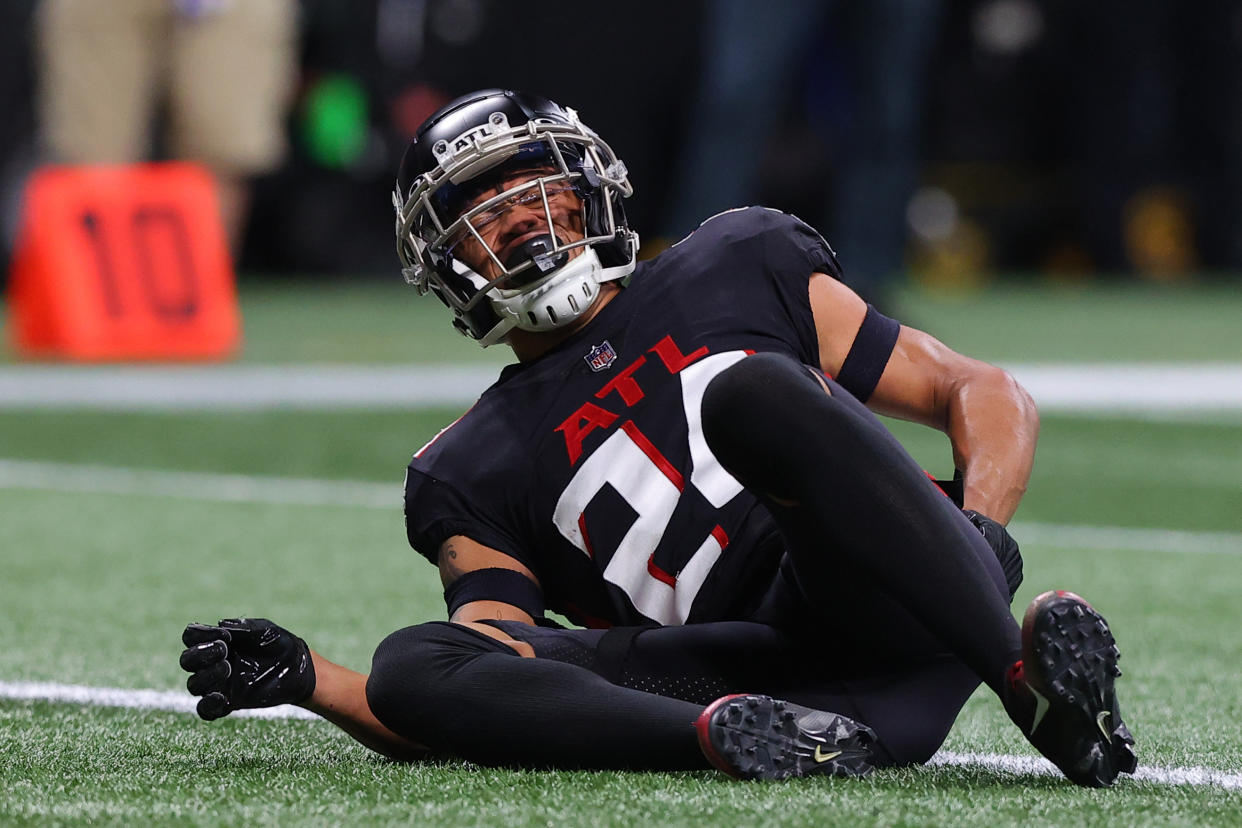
(1177, 391)
(177, 702)
(36, 475)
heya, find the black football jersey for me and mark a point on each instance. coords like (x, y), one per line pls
(589, 464)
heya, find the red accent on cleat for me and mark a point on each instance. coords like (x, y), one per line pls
(1016, 675)
(702, 727)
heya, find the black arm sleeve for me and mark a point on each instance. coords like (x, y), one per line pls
(869, 354)
(493, 584)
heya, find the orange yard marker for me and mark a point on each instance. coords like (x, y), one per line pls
(123, 262)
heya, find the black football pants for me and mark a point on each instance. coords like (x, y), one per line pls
(628, 697)
(889, 608)
(874, 549)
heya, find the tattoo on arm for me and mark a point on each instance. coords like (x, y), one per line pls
(449, 568)
(459, 555)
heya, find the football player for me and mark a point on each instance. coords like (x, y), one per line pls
(683, 462)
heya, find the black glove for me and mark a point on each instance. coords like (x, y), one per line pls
(1003, 544)
(243, 663)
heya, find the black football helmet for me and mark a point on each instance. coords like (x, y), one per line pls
(465, 149)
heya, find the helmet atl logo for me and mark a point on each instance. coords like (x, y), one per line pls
(601, 356)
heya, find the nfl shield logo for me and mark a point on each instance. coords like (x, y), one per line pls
(601, 356)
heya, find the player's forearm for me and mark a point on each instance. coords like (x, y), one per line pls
(340, 697)
(993, 425)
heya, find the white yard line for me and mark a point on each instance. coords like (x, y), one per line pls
(295, 491)
(228, 488)
(180, 702)
(1129, 539)
(242, 387)
(170, 700)
(1194, 777)
(1161, 390)
(1145, 388)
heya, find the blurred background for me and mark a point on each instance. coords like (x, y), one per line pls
(1049, 185)
(949, 142)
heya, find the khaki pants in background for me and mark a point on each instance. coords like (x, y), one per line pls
(224, 69)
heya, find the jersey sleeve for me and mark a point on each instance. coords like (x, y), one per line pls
(435, 511)
(766, 258)
(786, 251)
(453, 488)
(793, 250)
(794, 246)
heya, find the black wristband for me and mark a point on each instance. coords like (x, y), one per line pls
(495, 584)
(872, 347)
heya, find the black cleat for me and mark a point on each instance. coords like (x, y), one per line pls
(758, 737)
(1061, 694)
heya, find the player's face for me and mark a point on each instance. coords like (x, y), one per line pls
(518, 219)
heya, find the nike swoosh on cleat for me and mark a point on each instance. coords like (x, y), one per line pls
(1101, 720)
(820, 756)
(1041, 708)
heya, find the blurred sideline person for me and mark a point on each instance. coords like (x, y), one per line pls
(751, 57)
(681, 462)
(224, 70)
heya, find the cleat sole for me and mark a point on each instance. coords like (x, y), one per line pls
(778, 740)
(1076, 658)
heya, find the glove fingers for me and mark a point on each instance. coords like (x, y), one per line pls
(213, 706)
(203, 655)
(199, 633)
(246, 629)
(209, 679)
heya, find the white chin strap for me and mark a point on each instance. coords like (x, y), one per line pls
(553, 303)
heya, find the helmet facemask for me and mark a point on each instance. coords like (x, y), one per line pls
(547, 281)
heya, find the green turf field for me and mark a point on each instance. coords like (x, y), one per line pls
(95, 586)
(374, 320)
